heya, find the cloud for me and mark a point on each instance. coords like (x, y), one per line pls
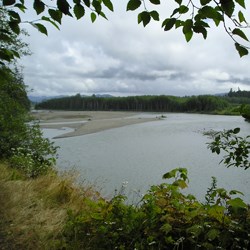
(123, 58)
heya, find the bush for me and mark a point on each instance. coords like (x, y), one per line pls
(36, 155)
(22, 143)
(165, 219)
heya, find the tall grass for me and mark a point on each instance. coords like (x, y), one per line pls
(34, 211)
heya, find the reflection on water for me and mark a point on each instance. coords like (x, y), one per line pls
(140, 154)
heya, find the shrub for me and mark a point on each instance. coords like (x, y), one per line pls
(36, 155)
(165, 219)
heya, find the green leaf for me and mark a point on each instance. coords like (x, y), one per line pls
(240, 33)
(15, 53)
(145, 18)
(202, 23)
(14, 15)
(241, 17)
(5, 38)
(15, 27)
(166, 228)
(237, 203)
(236, 130)
(133, 4)
(103, 15)
(180, 183)
(8, 2)
(241, 50)
(232, 192)
(6, 55)
(183, 9)
(44, 18)
(200, 29)
(93, 17)
(41, 28)
(241, 3)
(168, 23)
(204, 2)
(97, 6)
(39, 6)
(178, 1)
(187, 26)
(108, 4)
(155, 15)
(87, 2)
(210, 12)
(178, 23)
(170, 174)
(228, 7)
(175, 11)
(79, 11)
(56, 15)
(188, 35)
(20, 7)
(155, 1)
(63, 6)
(194, 230)
(212, 234)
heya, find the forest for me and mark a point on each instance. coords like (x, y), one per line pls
(231, 103)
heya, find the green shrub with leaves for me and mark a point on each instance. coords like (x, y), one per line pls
(20, 141)
(36, 155)
(245, 111)
(165, 219)
(235, 147)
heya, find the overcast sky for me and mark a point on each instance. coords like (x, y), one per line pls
(120, 57)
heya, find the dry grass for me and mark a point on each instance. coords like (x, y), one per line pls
(34, 211)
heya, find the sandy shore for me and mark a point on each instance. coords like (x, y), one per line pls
(88, 122)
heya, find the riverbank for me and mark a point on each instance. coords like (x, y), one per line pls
(88, 122)
(34, 212)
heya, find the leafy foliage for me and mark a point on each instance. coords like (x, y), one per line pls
(191, 16)
(14, 105)
(46, 13)
(195, 17)
(36, 155)
(245, 111)
(21, 142)
(11, 46)
(165, 219)
(236, 148)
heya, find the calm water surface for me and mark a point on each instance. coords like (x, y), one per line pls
(140, 154)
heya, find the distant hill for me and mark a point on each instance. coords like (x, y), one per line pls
(38, 99)
(221, 94)
(103, 95)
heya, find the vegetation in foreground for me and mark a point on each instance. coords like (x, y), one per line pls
(55, 214)
(33, 211)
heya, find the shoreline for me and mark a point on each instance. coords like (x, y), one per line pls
(88, 122)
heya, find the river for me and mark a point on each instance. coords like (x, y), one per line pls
(135, 157)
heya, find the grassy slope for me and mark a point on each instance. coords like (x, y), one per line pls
(33, 211)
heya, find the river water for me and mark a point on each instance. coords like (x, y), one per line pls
(137, 156)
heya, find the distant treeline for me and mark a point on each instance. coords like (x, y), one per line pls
(239, 93)
(162, 103)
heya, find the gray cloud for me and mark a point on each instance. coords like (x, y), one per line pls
(120, 57)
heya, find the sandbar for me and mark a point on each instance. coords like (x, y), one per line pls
(88, 122)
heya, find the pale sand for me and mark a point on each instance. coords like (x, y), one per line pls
(88, 122)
